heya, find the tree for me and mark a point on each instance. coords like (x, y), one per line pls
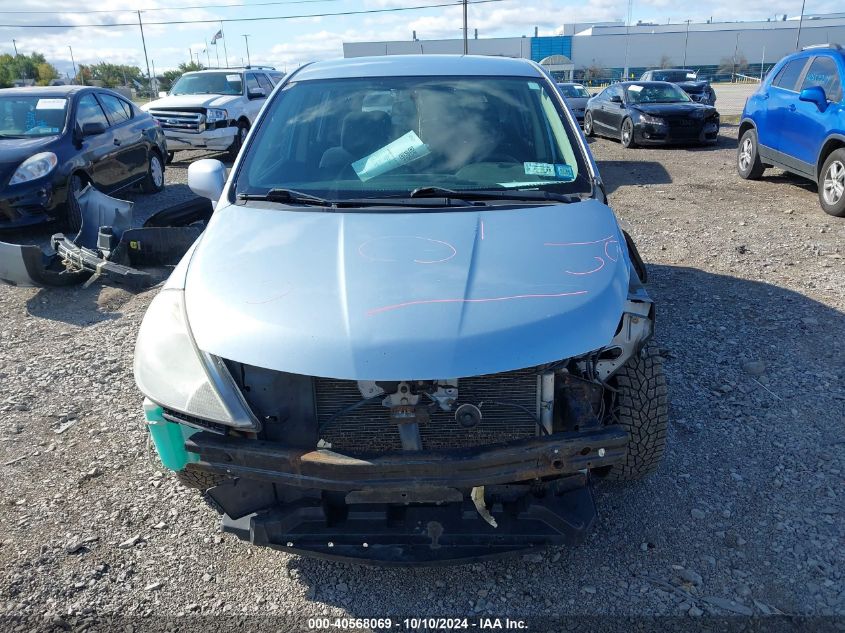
(665, 62)
(733, 65)
(32, 67)
(170, 77)
(112, 75)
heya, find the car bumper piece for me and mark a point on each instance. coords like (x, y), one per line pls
(219, 139)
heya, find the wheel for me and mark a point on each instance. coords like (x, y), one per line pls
(73, 212)
(748, 164)
(832, 184)
(170, 156)
(627, 135)
(154, 182)
(588, 124)
(642, 409)
(238, 143)
(193, 477)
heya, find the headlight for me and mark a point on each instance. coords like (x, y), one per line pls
(172, 372)
(213, 115)
(652, 120)
(34, 167)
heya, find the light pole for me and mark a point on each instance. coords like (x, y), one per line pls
(146, 59)
(627, 37)
(246, 39)
(225, 52)
(70, 48)
(686, 40)
(466, 43)
(800, 22)
(15, 44)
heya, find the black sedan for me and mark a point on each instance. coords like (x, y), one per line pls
(650, 113)
(54, 140)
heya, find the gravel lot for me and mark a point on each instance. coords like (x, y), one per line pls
(746, 515)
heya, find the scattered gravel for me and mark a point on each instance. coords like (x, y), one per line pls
(746, 515)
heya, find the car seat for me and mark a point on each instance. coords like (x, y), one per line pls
(362, 134)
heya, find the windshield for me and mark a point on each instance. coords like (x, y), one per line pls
(208, 83)
(387, 136)
(673, 75)
(26, 116)
(655, 93)
(573, 91)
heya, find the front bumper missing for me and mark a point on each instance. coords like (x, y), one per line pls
(421, 534)
(321, 469)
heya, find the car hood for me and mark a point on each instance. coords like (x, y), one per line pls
(577, 102)
(192, 101)
(674, 109)
(388, 296)
(13, 151)
(692, 86)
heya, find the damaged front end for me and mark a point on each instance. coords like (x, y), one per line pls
(408, 471)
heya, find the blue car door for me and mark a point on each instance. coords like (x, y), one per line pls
(782, 97)
(807, 125)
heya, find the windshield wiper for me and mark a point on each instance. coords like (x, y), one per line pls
(287, 195)
(493, 194)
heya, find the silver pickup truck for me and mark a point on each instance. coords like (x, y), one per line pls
(213, 109)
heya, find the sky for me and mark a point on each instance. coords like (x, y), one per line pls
(289, 43)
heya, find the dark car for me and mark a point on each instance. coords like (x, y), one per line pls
(687, 80)
(54, 140)
(795, 121)
(576, 97)
(650, 113)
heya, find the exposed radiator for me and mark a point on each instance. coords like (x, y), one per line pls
(369, 429)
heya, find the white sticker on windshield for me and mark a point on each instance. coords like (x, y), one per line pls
(690, 75)
(533, 85)
(233, 77)
(400, 152)
(51, 104)
(539, 169)
(635, 88)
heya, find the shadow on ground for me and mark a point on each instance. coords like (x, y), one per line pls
(627, 173)
(724, 423)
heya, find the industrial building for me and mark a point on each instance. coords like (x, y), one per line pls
(601, 52)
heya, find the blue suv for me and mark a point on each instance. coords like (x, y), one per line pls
(796, 122)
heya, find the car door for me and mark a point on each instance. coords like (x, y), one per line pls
(781, 97)
(131, 154)
(615, 112)
(98, 150)
(806, 125)
(599, 112)
(253, 103)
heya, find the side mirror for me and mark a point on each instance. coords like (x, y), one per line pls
(256, 93)
(206, 178)
(814, 94)
(92, 128)
(616, 99)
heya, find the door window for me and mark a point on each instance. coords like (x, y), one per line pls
(264, 82)
(251, 84)
(788, 76)
(89, 111)
(824, 73)
(117, 109)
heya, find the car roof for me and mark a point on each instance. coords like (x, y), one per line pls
(644, 83)
(674, 70)
(54, 91)
(418, 66)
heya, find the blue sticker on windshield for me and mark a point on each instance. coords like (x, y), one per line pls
(564, 171)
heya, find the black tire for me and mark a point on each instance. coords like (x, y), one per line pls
(243, 128)
(154, 181)
(72, 221)
(642, 409)
(170, 156)
(748, 163)
(193, 477)
(588, 124)
(626, 133)
(832, 184)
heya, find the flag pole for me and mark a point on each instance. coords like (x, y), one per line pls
(225, 52)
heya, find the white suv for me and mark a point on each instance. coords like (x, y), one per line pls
(212, 109)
